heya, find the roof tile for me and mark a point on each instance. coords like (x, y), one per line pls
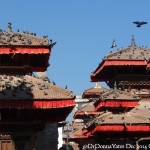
(130, 53)
(28, 87)
(9, 38)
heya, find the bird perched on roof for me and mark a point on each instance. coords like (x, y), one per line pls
(139, 23)
(52, 43)
(113, 43)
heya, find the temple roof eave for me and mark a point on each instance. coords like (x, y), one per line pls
(115, 63)
(111, 119)
(133, 56)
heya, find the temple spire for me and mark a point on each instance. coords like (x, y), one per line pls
(97, 85)
(115, 86)
(9, 28)
(133, 42)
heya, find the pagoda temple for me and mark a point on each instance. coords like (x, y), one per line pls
(28, 101)
(122, 112)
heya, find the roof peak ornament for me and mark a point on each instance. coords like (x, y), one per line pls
(115, 86)
(9, 28)
(97, 85)
(133, 42)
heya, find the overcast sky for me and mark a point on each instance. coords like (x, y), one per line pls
(83, 30)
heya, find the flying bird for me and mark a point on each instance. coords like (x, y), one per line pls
(139, 23)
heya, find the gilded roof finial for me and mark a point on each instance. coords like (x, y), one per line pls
(97, 85)
(133, 41)
(9, 28)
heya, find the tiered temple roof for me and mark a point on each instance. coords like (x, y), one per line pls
(28, 101)
(95, 91)
(86, 111)
(30, 90)
(23, 50)
(123, 60)
(21, 54)
(117, 98)
(123, 109)
(123, 122)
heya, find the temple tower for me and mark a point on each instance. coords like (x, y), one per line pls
(28, 101)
